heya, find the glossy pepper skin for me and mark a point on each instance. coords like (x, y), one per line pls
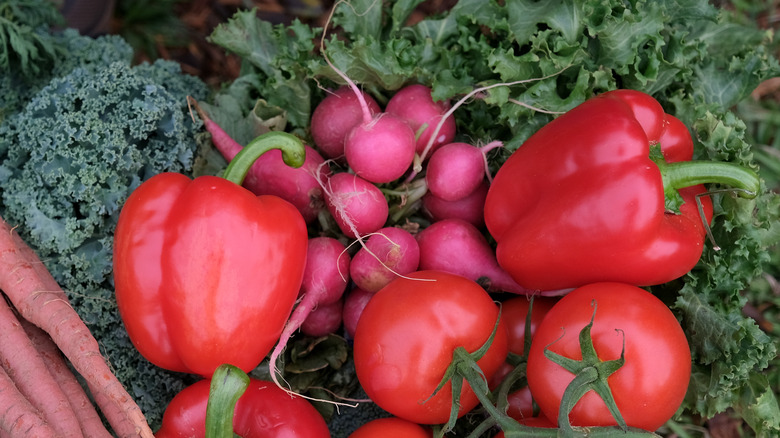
(206, 272)
(263, 411)
(584, 199)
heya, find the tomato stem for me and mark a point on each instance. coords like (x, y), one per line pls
(527, 328)
(590, 373)
(464, 367)
(509, 384)
(511, 427)
(228, 384)
(293, 154)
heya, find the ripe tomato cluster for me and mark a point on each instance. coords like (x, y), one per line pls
(405, 341)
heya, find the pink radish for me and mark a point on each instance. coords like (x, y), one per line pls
(354, 303)
(325, 278)
(470, 208)
(269, 175)
(415, 105)
(381, 149)
(337, 114)
(457, 169)
(439, 127)
(388, 253)
(326, 273)
(358, 206)
(323, 319)
(456, 246)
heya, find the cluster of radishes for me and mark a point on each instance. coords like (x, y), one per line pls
(364, 164)
(365, 174)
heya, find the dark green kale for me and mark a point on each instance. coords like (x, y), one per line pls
(69, 159)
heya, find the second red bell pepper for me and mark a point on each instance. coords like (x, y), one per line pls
(592, 197)
(233, 404)
(206, 272)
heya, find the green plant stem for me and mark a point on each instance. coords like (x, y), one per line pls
(411, 194)
(681, 174)
(590, 374)
(228, 384)
(293, 154)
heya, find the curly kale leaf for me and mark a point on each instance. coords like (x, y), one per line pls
(31, 54)
(348, 419)
(730, 351)
(88, 53)
(70, 158)
(84, 143)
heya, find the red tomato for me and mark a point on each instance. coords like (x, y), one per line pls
(391, 427)
(263, 411)
(406, 337)
(514, 312)
(652, 382)
(521, 403)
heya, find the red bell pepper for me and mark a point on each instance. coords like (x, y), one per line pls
(206, 272)
(232, 402)
(590, 197)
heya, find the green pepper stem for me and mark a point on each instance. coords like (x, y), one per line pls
(293, 154)
(228, 384)
(683, 174)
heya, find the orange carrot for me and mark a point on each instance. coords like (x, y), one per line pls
(26, 368)
(90, 421)
(18, 418)
(38, 298)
